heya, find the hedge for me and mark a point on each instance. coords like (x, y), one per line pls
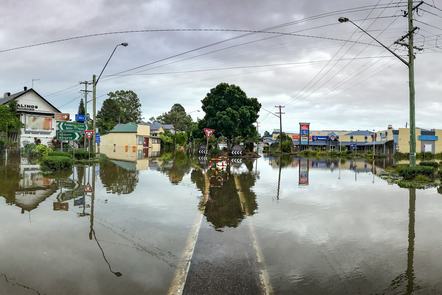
(83, 155)
(429, 163)
(409, 173)
(56, 163)
(60, 154)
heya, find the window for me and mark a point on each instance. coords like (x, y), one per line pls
(351, 138)
(140, 140)
(38, 123)
(115, 147)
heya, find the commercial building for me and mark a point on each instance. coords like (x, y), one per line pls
(427, 140)
(130, 142)
(37, 115)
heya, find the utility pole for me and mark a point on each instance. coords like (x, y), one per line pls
(85, 92)
(409, 64)
(411, 30)
(280, 113)
(94, 110)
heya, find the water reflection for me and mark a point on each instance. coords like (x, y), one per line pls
(119, 177)
(174, 165)
(227, 191)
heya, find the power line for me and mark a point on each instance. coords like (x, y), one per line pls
(314, 81)
(253, 66)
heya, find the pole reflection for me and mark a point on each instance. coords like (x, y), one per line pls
(92, 233)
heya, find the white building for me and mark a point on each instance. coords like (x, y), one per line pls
(36, 114)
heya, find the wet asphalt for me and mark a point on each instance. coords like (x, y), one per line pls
(224, 263)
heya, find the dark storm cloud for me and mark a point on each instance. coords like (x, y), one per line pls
(366, 93)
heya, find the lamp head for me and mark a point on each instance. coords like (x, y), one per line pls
(124, 44)
(343, 19)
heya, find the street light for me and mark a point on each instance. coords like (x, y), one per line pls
(410, 65)
(94, 92)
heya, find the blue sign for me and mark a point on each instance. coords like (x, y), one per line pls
(428, 138)
(79, 202)
(80, 118)
(319, 137)
(97, 138)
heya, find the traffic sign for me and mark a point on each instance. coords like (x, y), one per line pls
(62, 117)
(89, 133)
(68, 135)
(97, 138)
(208, 132)
(80, 118)
(71, 126)
(88, 188)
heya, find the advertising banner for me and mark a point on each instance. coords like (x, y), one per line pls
(304, 133)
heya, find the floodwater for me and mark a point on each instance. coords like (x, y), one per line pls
(173, 224)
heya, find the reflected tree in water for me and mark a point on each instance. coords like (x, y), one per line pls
(175, 166)
(10, 177)
(227, 197)
(118, 180)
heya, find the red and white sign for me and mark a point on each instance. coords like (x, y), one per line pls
(89, 133)
(208, 132)
(88, 188)
(62, 117)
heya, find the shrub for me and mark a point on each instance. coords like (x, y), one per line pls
(83, 155)
(61, 154)
(2, 145)
(36, 150)
(54, 163)
(426, 155)
(422, 178)
(411, 172)
(429, 163)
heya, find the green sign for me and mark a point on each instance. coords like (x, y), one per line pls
(70, 126)
(68, 135)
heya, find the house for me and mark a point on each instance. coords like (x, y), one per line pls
(129, 142)
(37, 115)
(156, 128)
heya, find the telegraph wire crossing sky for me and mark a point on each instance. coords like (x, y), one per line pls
(324, 72)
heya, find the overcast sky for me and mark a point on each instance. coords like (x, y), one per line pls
(330, 83)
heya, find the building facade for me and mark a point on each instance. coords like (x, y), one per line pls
(130, 142)
(427, 140)
(36, 114)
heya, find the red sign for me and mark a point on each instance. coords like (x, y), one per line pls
(208, 132)
(89, 133)
(88, 188)
(62, 117)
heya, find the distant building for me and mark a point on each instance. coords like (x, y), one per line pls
(156, 128)
(130, 142)
(36, 114)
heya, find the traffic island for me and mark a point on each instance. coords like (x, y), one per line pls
(425, 175)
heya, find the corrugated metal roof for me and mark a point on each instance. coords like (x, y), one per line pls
(125, 128)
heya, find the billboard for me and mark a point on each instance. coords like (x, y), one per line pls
(304, 133)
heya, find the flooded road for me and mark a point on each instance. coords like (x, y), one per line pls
(173, 224)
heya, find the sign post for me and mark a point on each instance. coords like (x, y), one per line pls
(208, 132)
(89, 134)
(304, 133)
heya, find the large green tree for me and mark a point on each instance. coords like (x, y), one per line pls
(122, 106)
(178, 117)
(231, 113)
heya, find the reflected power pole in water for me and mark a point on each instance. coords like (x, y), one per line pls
(279, 115)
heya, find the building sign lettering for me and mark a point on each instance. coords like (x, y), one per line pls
(27, 107)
